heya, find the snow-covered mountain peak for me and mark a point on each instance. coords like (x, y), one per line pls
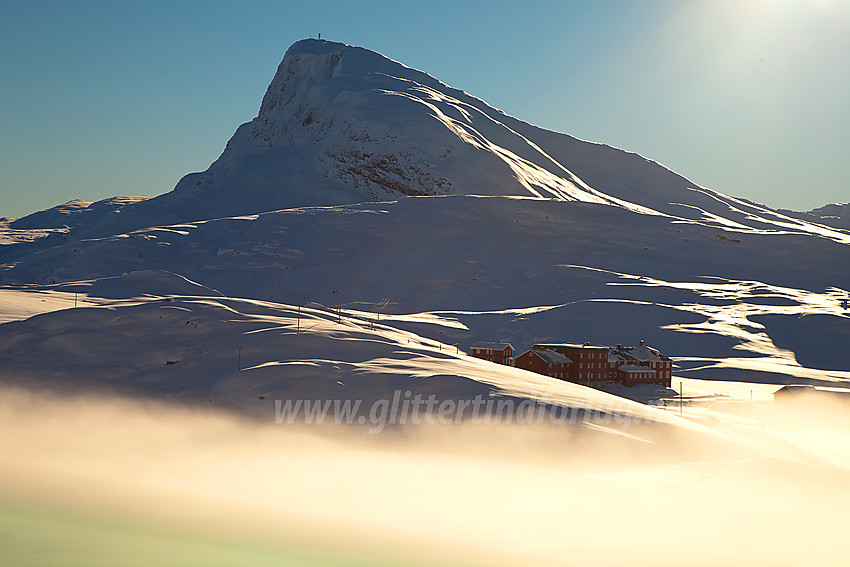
(305, 64)
(296, 98)
(338, 124)
(344, 125)
(327, 59)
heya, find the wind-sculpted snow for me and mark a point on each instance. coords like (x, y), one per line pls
(464, 269)
(736, 314)
(363, 182)
(252, 357)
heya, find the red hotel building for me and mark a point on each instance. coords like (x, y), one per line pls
(594, 365)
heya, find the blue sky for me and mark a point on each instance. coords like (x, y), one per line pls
(748, 97)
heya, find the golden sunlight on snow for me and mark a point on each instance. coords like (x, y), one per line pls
(21, 304)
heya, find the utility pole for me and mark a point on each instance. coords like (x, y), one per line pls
(681, 398)
(338, 305)
(378, 308)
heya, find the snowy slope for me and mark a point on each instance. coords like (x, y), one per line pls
(243, 355)
(362, 179)
(74, 213)
(727, 304)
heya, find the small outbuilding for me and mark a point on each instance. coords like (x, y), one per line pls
(633, 374)
(807, 392)
(500, 353)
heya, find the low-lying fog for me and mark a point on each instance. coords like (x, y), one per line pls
(775, 493)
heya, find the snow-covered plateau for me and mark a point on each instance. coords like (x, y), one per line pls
(349, 246)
